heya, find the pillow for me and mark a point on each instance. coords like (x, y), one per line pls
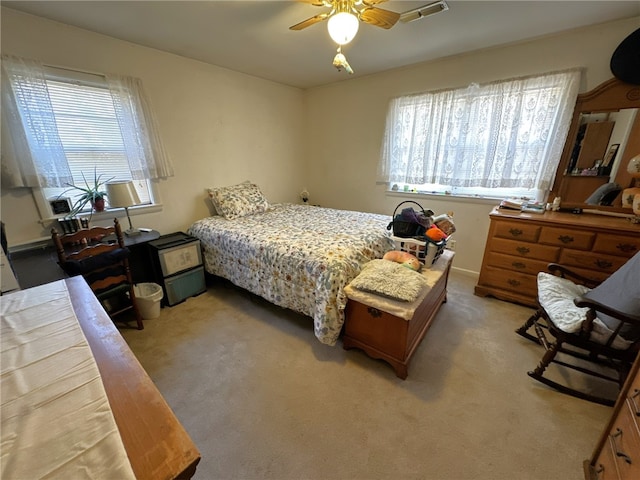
(390, 279)
(621, 292)
(213, 194)
(238, 200)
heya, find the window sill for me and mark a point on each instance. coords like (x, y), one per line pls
(446, 196)
(110, 213)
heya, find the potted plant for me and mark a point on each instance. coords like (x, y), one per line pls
(93, 194)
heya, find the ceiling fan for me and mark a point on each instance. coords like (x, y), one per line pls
(344, 16)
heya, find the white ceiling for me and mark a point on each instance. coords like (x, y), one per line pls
(253, 36)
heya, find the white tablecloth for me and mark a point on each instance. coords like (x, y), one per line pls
(55, 416)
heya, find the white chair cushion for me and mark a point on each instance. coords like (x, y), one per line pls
(556, 295)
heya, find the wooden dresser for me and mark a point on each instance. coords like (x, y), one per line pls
(520, 245)
(617, 454)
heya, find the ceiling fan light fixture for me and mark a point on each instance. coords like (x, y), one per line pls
(343, 27)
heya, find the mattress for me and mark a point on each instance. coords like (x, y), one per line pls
(299, 257)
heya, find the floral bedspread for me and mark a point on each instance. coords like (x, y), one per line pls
(296, 256)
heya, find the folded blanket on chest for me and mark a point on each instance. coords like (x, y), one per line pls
(390, 279)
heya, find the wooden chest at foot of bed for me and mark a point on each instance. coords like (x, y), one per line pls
(374, 325)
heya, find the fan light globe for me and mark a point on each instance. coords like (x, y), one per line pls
(343, 27)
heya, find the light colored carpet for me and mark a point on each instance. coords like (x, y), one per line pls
(263, 399)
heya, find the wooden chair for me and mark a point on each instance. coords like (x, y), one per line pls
(599, 324)
(103, 264)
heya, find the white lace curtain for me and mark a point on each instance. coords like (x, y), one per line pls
(500, 135)
(32, 152)
(145, 152)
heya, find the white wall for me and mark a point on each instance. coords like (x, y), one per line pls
(220, 127)
(343, 153)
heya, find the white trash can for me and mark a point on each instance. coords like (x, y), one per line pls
(148, 297)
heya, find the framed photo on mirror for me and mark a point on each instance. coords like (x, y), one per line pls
(611, 155)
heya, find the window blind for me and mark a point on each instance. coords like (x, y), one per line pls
(90, 135)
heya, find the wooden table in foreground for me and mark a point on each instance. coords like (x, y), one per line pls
(157, 445)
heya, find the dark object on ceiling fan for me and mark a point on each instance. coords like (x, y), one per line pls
(625, 61)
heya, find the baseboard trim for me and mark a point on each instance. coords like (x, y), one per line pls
(465, 272)
(30, 246)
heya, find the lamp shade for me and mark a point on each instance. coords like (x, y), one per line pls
(343, 27)
(122, 194)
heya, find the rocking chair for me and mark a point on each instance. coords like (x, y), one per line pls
(599, 324)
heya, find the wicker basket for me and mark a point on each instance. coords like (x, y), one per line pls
(427, 251)
(407, 229)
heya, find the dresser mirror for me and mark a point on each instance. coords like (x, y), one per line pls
(604, 135)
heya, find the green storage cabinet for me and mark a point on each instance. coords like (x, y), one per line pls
(177, 261)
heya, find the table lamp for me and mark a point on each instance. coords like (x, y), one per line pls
(123, 193)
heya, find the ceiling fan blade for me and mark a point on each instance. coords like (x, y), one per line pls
(309, 21)
(371, 3)
(316, 3)
(379, 17)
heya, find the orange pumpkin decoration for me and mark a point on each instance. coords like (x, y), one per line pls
(435, 234)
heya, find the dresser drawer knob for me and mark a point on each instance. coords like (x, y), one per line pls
(565, 239)
(620, 454)
(515, 232)
(513, 283)
(519, 265)
(626, 247)
(599, 471)
(522, 250)
(374, 312)
(603, 264)
(634, 399)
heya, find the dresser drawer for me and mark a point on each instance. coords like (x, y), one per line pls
(633, 397)
(591, 261)
(518, 231)
(605, 467)
(517, 264)
(625, 440)
(523, 249)
(620, 244)
(184, 285)
(508, 280)
(562, 237)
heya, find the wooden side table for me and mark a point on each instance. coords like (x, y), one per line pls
(140, 257)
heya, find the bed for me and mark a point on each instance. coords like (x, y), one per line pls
(298, 257)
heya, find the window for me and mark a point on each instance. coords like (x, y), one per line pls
(90, 136)
(496, 140)
(62, 127)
